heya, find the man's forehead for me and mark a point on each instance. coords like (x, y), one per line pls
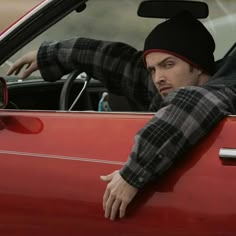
(155, 58)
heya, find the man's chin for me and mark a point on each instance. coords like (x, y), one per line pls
(164, 93)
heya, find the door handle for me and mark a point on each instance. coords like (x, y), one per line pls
(227, 153)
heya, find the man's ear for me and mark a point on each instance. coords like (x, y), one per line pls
(202, 78)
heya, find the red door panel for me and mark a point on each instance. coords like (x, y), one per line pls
(50, 165)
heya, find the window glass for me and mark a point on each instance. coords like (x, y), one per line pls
(118, 21)
(221, 23)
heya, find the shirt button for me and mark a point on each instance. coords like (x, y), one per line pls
(140, 179)
(160, 156)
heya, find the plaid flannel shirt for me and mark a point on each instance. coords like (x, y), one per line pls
(181, 120)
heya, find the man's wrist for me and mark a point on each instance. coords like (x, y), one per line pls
(136, 179)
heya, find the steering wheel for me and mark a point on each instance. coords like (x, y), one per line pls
(66, 89)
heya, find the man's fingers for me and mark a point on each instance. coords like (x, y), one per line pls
(27, 72)
(108, 205)
(24, 73)
(109, 177)
(105, 197)
(105, 178)
(29, 60)
(114, 209)
(14, 69)
(123, 207)
(17, 70)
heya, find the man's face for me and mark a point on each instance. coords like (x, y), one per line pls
(169, 72)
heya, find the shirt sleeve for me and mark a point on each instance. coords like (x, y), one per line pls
(119, 66)
(189, 114)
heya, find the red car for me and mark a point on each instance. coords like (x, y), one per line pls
(51, 160)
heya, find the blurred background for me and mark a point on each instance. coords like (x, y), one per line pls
(11, 10)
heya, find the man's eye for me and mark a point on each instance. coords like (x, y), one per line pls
(168, 64)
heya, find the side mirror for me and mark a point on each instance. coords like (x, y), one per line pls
(3, 93)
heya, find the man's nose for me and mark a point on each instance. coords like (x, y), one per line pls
(159, 78)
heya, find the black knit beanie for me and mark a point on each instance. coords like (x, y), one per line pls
(185, 37)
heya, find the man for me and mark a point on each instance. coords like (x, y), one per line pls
(178, 54)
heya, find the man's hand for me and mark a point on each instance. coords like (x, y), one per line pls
(30, 60)
(117, 196)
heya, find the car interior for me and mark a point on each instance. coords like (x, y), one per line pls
(45, 95)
